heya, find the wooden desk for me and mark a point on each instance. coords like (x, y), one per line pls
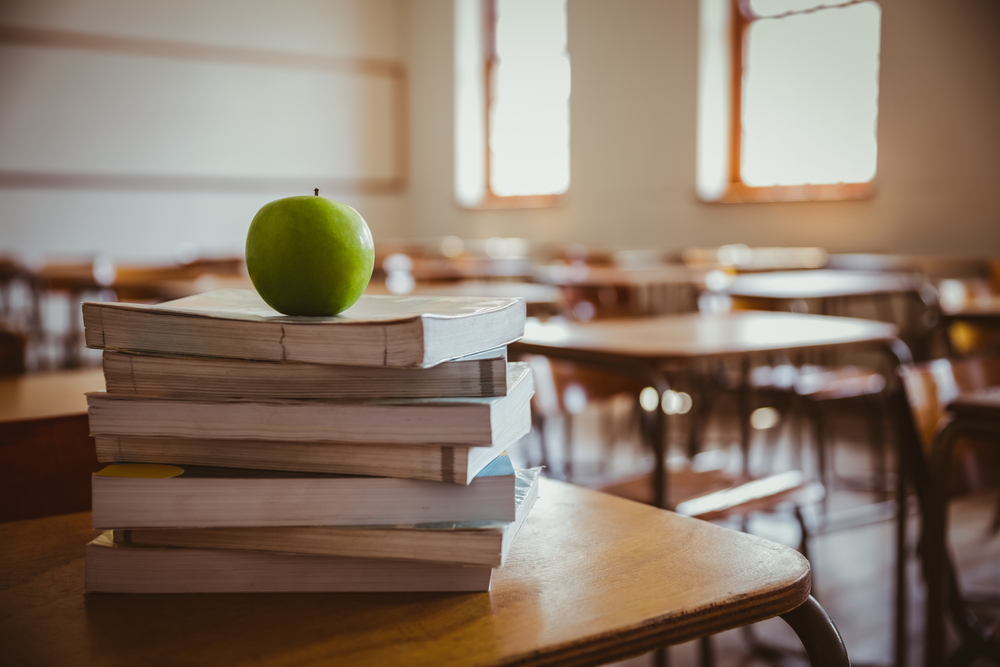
(565, 275)
(591, 579)
(654, 347)
(46, 452)
(822, 285)
(867, 294)
(976, 414)
(626, 291)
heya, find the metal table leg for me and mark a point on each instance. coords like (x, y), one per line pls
(819, 635)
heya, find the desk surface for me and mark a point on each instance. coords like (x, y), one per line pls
(591, 579)
(44, 395)
(821, 284)
(655, 340)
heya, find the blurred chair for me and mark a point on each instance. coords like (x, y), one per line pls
(930, 387)
(810, 391)
(563, 388)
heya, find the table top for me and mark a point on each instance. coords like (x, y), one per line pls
(45, 395)
(661, 340)
(590, 579)
(581, 275)
(820, 284)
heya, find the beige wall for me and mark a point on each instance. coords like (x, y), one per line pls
(633, 115)
(73, 113)
(633, 118)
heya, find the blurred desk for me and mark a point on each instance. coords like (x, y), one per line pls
(822, 285)
(470, 267)
(933, 267)
(566, 275)
(541, 300)
(46, 452)
(653, 348)
(590, 579)
(623, 292)
(156, 290)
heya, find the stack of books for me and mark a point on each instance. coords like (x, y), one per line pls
(252, 451)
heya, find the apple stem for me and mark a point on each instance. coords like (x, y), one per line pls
(316, 191)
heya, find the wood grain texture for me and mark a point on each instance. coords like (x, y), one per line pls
(590, 579)
(672, 338)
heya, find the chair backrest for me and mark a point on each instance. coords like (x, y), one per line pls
(563, 386)
(930, 387)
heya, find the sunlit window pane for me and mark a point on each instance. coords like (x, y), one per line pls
(714, 88)
(810, 98)
(529, 117)
(470, 104)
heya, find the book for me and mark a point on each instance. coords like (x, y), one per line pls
(454, 464)
(466, 543)
(482, 374)
(376, 331)
(164, 496)
(438, 421)
(128, 568)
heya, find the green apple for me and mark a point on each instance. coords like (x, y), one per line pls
(309, 255)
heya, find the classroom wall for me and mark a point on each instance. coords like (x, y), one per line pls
(633, 121)
(79, 113)
(133, 127)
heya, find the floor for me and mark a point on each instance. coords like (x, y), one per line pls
(852, 549)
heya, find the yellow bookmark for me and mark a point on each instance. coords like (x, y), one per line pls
(141, 470)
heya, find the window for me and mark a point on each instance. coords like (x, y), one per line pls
(512, 83)
(788, 99)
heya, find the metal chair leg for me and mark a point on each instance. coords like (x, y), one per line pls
(818, 634)
(707, 653)
(816, 412)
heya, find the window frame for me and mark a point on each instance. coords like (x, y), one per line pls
(490, 199)
(736, 190)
